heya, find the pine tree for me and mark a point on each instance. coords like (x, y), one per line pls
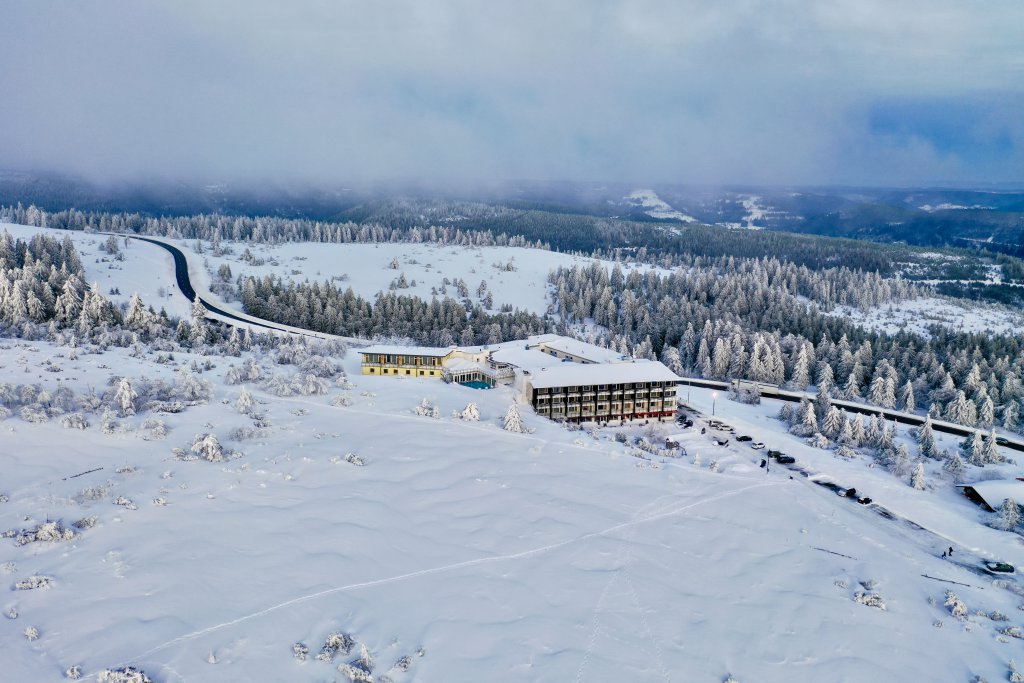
(1009, 515)
(245, 402)
(470, 413)
(954, 464)
(973, 449)
(926, 440)
(986, 411)
(136, 316)
(1011, 415)
(958, 410)
(991, 448)
(900, 461)
(801, 376)
(917, 478)
(832, 426)
(513, 421)
(907, 401)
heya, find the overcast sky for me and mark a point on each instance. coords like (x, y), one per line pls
(721, 91)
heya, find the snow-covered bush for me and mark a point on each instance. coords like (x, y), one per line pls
(31, 632)
(300, 651)
(74, 421)
(73, 672)
(956, 606)
(125, 502)
(125, 397)
(45, 532)
(318, 366)
(471, 413)
(34, 412)
(299, 384)
(247, 433)
(354, 459)
(248, 372)
(846, 452)
(156, 428)
(818, 440)
(86, 523)
(342, 400)
(33, 582)
(207, 447)
(336, 643)
(128, 674)
(427, 409)
(870, 599)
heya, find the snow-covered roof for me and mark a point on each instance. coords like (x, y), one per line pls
(525, 358)
(575, 347)
(394, 349)
(995, 491)
(574, 374)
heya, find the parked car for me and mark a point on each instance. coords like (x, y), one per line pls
(997, 567)
(785, 459)
(757, 445)
(774, 454)
(744, 438)
(721, 442)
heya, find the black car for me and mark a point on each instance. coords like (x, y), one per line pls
(744, 438)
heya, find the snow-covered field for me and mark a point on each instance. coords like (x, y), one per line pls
(916, 315)
(367, 268)
(477, 553)
(146, 269)
(656, 207)
(516, 276)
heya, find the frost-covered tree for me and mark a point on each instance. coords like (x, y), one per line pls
(1009, 515)
(959, 410)
(125, 397)
(513, 421)
(900, 464)
(990, 447)
(926, 440)
(907, 401)
(197, 330)
(973, 449)
(207, 446)
(1011, 416)
(954, 464)
(986, 411)
(917, 479)
(245, 402)
(801, 376)
(136, 317)
(832, 425)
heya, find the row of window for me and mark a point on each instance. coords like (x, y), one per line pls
(398, 371)
(604, 387)
(389, 359)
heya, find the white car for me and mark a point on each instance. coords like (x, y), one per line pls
(757, 445)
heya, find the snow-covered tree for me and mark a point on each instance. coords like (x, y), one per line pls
(973, 449)
(245, 402)
(207, 446)
(917, 479)
(470, 413)
(959, 410)
(801, 370)
(926, 440)
(954, 464)
(900, 464)
(907, 401)
(832, 425)
(513, 421)
(125, 397)
(991, 447)
(1009, 515)
(136, 317)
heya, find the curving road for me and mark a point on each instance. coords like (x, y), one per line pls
(185, 285)
(181, 274)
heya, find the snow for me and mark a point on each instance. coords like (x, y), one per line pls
(550, 556)
(946, 206)
(393, 349)
(365, 268)
(572, 374)
(147, 269)
(655, 206)
(915, 315)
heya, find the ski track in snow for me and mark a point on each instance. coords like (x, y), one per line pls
(632, 522)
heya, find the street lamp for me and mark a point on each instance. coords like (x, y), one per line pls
(714, 397)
